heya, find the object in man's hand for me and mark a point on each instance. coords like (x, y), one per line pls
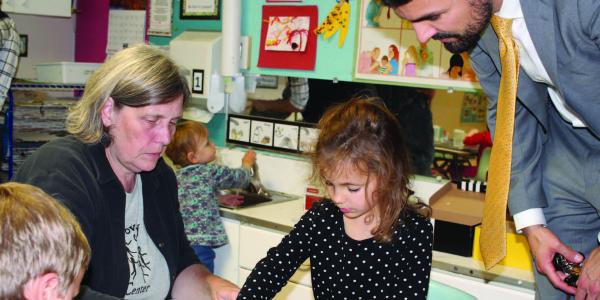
(571, 269)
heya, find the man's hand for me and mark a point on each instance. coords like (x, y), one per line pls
(544, 244)
(588, 285)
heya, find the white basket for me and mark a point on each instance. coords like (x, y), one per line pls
(65, 72)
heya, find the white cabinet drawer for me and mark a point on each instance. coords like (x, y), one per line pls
(227, 257)
(254, 244)
(291, 291)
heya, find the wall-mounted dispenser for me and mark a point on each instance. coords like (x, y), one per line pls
(199, 54)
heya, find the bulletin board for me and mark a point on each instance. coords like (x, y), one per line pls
(388, 51)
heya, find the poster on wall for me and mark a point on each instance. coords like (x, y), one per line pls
(287, 38)
(159, 22)
(474, 107)
(125, 28)
(388, 50)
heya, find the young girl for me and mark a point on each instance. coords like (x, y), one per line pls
(198, 183)
(367, 241)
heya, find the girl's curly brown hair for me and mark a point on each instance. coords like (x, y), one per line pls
(364, 134)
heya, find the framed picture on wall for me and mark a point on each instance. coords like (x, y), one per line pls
(199, 9)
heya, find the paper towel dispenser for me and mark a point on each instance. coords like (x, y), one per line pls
(198, 53)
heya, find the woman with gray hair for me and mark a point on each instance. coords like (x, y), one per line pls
(110, 174)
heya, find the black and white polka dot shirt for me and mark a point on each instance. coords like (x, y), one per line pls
(343, 268)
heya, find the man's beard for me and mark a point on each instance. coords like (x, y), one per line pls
(481, 13)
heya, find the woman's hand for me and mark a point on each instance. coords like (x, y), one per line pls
(222, 289)
(196, 282)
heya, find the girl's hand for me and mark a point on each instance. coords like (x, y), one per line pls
(231, 200)
(249, 159)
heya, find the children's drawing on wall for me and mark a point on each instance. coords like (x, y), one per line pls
(390, 51)
(286, 136)
(308, 138)
(473, 108)
(239, 129)
(287, 33)
(262, 133)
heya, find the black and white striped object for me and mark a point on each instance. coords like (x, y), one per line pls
(471, 185)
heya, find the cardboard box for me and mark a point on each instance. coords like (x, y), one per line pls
(65, 72)
(456, 215)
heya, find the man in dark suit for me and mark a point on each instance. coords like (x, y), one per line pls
(554, 188)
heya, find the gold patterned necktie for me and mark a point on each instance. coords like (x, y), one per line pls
(493, 227)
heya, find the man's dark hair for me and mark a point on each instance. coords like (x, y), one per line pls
(394, 3)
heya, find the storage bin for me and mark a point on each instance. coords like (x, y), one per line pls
(65, 72)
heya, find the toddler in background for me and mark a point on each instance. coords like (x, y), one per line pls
(43, 252)
(198, 184)
(368, 241)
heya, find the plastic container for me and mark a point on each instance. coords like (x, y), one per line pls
(65, 72)
(314, 193)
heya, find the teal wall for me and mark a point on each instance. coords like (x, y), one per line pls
(331, 62)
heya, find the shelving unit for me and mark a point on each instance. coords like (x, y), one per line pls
(29, 124)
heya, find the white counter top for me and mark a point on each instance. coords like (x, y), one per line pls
(280, 216)
(284, 215)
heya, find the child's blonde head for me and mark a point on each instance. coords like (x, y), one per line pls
(365, 135)
(186, 139)
(37, 236)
